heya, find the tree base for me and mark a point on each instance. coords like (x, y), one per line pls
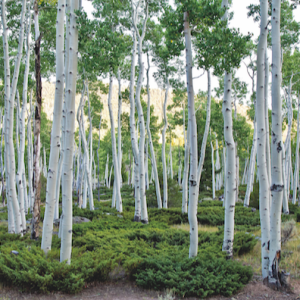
(282, 283)
(144, 221)
(137, 219)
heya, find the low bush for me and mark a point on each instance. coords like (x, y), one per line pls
(113, 240)
(202, 276)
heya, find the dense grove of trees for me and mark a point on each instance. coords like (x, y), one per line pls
(218, 149)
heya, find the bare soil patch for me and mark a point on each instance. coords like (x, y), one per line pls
(125, 290)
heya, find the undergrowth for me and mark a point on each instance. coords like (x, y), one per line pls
(113, 241)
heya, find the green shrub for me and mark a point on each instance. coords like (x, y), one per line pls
(111, 240)
(202, 276)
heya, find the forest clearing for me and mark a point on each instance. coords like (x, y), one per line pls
(123, 179)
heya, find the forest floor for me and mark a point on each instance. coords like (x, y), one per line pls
(125, 290)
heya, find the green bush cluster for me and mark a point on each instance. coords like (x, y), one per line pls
(113, 241)
(202, 276)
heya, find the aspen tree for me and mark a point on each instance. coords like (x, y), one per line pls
(276, 147)
(55, 147)
(186, 138)
(193, 186)
(230, 159)
(114, 149)
(296, 172)
(163, 151)
(141, 154)
(264, 185)
(10, 92)
(66, 230)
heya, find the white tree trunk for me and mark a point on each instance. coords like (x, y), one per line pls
(213, 171)
(22, 195)
(66, 230)
(146, 164)
(135, 150)
(29, 156)
(120, 128)
(55, 147)
(268, 153)
(218, 166)
(184, 208)
(264, 184)
(230, 159)
(114, 149)
(276, 147)
(163, 152)
(285, 204)
(296, 171)
(251, 167)
(10, 92)
(193, 180)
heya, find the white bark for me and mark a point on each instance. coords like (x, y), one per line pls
(251, 167)
(285, 204)
(120, 129)
(10, 92)
(264, 190)
(184, 208)
(55, 147)
(146, 164)
(114, 150)
(171, 160)
(276, 147)
(268, 153)
(193, 184)
(296, 171)
(29, 156)
(230, 159)
(87, 159)
(135, 150)
(213, 171)
(66, 231)
(163, 151)
(218, 166)
(141, 155)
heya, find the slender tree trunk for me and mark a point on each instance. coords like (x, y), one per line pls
(35, 221)
(153, 157)
(251, 167)
(213, 171)
(184, 208)
(230, 159)
(296, 171)
(264, 185)
(193, 184)
(285, 204)
(66, 230)
(120, 128)
(218, 166)
(21, 166)
(268, 153)
(146, 164)
(98, 170)
(10, 92)
(29, 156)
(276, 147)
(55, 147)
(137, 213)
(114, 150)
(163, 152)
(89, 157)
